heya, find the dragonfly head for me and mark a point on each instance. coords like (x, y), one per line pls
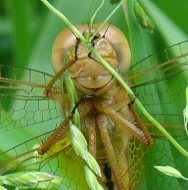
(86, 70)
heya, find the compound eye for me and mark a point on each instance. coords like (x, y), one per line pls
(120, 44)
(64, 41)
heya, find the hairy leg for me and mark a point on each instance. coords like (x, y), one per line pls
(130, 127)
(141, 124)
(48, 90)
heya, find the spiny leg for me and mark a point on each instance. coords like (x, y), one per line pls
(130, 127)
(102, 123)
(48, 90)
(141, 124)
(60, 132)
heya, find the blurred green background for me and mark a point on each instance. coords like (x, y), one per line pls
(28, 29)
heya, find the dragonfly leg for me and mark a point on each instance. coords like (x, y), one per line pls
(141, 124)
(48, 90)
(58, 75)
(85, 108)
(91, 129)
(102, 123)
(90, 126)
(129, 126)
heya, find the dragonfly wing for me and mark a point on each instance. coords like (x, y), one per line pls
(162, 153)
(23, 102)
(161, 87)
(60, 161)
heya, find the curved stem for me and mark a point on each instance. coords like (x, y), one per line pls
(108, 17)
(95, 13)
(67, 22)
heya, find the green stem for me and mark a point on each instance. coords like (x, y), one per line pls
(185, 178)
(67, 22)
(106, 20)
(119, 78)
(96, 12)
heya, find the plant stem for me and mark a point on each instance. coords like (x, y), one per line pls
(67, 22)
(119, 78)
(96, 12)
(108, 17)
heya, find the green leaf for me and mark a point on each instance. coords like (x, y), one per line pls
(170, 171)
(25, 180)
(143, 18)
(2, 188)
(91, 179)
(92, 163)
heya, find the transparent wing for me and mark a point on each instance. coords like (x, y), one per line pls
(60, 161)
(23, 102)
(163, 153)
(143, 159)
(160, 81)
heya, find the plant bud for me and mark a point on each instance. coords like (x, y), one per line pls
(143, 19)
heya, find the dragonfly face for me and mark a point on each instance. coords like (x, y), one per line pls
(155, 93)
(86, 70)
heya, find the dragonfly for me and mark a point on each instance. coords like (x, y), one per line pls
(160, 88)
